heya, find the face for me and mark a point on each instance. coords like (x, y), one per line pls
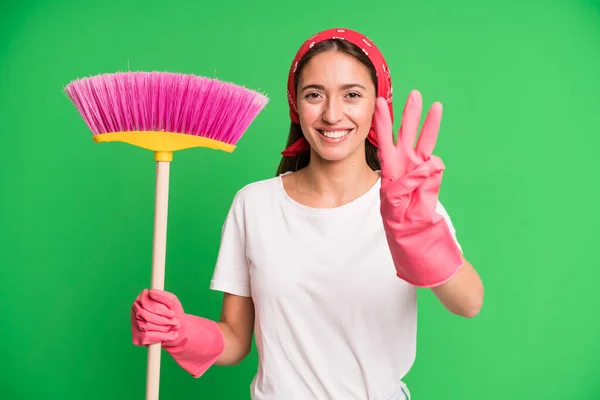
(336, 101)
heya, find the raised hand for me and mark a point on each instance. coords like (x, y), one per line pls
(405, 166)
(423, 249)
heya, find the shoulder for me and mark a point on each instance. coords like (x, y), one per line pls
(257, 192)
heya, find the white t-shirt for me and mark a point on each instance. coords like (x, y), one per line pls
(333, 321)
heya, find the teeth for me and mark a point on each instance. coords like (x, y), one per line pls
(335, 134)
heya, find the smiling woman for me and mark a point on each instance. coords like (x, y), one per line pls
(296, 157)
(322, 262)
(336, 113)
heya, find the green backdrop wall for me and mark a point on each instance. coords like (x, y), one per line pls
(520, 84)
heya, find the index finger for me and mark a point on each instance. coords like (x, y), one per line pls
(383, 127)
(386, 151)
(166, 298)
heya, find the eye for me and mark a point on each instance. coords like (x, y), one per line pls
(354, 95)
(311, 96)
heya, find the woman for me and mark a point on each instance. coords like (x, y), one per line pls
(322, 262)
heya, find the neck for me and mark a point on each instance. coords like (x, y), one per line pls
(337, 182)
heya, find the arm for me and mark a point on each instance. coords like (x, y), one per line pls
(463, 294)
(422, 244)
(237, 326)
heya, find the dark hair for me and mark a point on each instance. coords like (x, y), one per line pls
(301, 160)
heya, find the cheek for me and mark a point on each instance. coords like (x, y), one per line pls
(362, 115)
(309, 114)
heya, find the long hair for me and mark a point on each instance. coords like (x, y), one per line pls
(301, 160)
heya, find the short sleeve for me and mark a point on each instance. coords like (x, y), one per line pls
(442, 211)
(231, 273)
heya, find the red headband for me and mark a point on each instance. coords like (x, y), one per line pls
(384, 80)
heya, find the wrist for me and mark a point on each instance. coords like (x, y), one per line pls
(199, 345)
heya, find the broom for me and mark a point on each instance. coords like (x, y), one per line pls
(164, 112)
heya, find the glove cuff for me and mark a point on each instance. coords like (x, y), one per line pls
(200, 348)
(425, 255)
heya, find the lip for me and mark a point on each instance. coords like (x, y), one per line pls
(335, 140)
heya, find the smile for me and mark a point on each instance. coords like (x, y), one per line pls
(334, 134)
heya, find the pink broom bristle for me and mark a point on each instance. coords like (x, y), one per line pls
(166, 101)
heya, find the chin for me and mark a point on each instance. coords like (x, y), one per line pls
(338, 152)
(333, 155)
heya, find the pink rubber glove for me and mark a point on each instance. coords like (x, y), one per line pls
(194, 342)
(422, 246)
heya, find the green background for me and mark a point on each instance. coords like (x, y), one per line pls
(520, 84)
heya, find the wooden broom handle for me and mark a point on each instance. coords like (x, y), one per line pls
(159, 252)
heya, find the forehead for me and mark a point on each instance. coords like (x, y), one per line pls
(335, 67)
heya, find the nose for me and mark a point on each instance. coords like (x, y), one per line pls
(333, 111)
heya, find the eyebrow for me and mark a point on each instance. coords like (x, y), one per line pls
(343, 87)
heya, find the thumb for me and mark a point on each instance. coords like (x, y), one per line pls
(168, 299)
(386, 151)
(413, 179)
(425, 199)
